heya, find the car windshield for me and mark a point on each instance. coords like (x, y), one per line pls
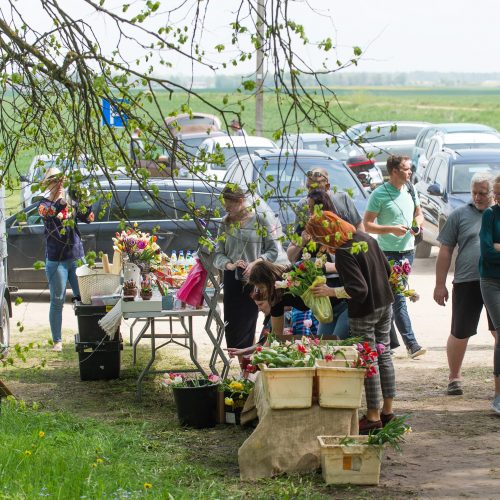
(229, 154)
(286, 176)
(341, 149)
(462, 173)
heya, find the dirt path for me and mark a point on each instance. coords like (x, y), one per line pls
(453, 451)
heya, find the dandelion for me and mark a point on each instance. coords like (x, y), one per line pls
(94, 465)
(41, 434)
(99, 460)
(147, 486)
(28, 453)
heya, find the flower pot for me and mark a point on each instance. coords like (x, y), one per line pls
(129, 294)
(355, 463)
(146, 295)
(339, 387)
(288, 387)
(197, 405)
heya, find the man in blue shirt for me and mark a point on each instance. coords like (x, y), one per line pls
(394, 214)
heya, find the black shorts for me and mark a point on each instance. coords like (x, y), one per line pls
(466, 306)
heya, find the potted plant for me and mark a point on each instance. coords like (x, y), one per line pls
(288, 372)
(340, 382)
(195, 398)
(129, 290)
(236, 392)
(357, 459)
(146, 288)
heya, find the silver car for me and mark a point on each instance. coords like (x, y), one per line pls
(382, 139)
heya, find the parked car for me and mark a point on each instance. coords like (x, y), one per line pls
(5, 302)
(280, 177)
(176, 228)
(463, 140)
(216, 153)
(427, 133)
(41, 163)
(446, 186)
(382, 139)
(352, 155)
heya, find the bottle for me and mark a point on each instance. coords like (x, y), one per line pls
(173, 261)
(181, 261)
(189, 261)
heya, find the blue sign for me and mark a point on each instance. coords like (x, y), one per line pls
(112, 116)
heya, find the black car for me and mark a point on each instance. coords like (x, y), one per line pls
(169, 212)
(280, 178)
(446, 186)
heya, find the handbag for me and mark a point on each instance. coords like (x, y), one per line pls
(191, 292)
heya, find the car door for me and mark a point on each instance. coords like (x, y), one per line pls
(434, 203)
(130, 205)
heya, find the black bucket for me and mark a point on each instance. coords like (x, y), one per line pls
(197, 405)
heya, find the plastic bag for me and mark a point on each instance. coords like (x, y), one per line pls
(191, 292)
(321, 307)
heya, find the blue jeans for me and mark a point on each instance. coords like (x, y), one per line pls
(58, 274)
(340, 324)
(399, 311)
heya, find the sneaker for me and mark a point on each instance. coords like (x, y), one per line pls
(415, 350)
(495, 405)
(385, 419)
(57, 347)
(365, 426)
(455, 388)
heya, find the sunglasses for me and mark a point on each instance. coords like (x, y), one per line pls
(316, 175)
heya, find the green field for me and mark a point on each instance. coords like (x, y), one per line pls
(348, 105)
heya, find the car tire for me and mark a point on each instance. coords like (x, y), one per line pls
(423, 250)
(5, 325)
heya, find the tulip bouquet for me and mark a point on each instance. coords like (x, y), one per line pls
(139, 247)
(399, 279)
(300, 280)
(188, 380)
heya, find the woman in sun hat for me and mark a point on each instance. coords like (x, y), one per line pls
(245, 238)
(63, 246)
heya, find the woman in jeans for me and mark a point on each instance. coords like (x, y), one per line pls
(63, 247)
(245, 238)
(489, 271)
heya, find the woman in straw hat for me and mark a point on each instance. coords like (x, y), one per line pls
(63, 246)
(245, 238)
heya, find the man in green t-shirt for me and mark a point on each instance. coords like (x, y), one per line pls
(394, 214)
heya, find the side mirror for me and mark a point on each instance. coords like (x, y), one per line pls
(435, 190)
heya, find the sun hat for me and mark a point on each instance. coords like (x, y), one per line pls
(51, 173)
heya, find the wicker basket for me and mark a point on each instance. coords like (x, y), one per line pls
(97, 283)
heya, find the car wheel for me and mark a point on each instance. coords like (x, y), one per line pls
(5, 325)
(423, 250)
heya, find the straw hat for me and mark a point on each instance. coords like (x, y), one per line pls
(51, 173)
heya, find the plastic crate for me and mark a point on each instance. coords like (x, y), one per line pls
(98, 360)
(88, 317)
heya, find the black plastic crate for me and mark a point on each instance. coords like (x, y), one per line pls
(88, 317)
(98, 360)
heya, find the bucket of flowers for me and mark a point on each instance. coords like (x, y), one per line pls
(302, 278)
(138, 247)
(195, 398)
(400, 270)
(340, 382)
(287, 371)
(236, 392)
(357, 459)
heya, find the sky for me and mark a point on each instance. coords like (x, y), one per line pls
(395, 35)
